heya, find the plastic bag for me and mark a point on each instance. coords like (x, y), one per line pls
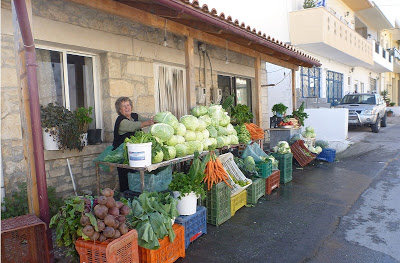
(157, 181)
(116, 156)
(101, 157)
(254, 151)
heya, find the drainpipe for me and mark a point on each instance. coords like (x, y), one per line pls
(30, 60)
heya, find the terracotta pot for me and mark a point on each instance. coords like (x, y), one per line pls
(389, 113)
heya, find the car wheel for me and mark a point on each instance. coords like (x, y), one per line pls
(377, 125)
(383, 121)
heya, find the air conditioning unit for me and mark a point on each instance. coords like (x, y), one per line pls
(201, 95)
(217, 96)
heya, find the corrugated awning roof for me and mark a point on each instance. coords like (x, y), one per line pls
(202, 18)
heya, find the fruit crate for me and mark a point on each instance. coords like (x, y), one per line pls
(123, 249)
(272, 182)
(234, 173)
(168, 252)
(264, 170)
(285, 166)
(327, 155)
(195, 225)
(218, 204)
(238, 201)
(23, 239)
(300, 152)
(256, 191)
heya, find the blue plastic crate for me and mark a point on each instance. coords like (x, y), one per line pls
(327, 155)
(195, 225)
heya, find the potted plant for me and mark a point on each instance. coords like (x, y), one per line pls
(389, 113)
(385, 95)
(391, 104)
(279, 109)
(188, 187)
(60, 128)
(308, 4)
(83, 118)
(300, 115)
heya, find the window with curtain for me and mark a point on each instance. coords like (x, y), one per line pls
(68, 79)
(170, 90)
(310, 82)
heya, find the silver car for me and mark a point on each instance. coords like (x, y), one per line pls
(365, 109)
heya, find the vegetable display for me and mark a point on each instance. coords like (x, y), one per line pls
(309, 132)
(214, 172)
(282, 147)
(255, 131)
(300, 115)
(243, 134)
(157, 149)
(151, 217)
(241, 114)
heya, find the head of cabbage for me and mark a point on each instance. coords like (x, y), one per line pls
(199, 136)
(180, 139)
(169, 153)
(199, 111)
(206, 134)
(206, 144)
(230, 129)
(215, 111)
(202, 125)
(190, 122)
(158, 157)
(172, 141)
(220, 142)
(206, 119)
(162, 131)
(180, 129)
(167, 118)
(192, 146)
(224, 120)
(221, 131)
(212, 131)
(190, 136)
(181, 150)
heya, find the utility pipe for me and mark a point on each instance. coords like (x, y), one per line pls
(30, 60)
(177, 5)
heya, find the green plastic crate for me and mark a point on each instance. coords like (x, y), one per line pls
(285, 166)
(264, 170)
(256, 190)
(218, 203)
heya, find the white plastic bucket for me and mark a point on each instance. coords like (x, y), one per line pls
(49, 142)
(139, 155)
(187, 204)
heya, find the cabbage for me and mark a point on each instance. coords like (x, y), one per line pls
(227, 140)
(309, 129)
(190, 136)
(191, 147)
(181, 150)
(190, 122)
(249, 163)
(322, 144)
(199, 146)
(234, 139)
(172, 141)
(199, 136)
(213, 144)
(214, 122)
(206, 134)
(167, 118)
(180, 139)
(180, 129)
(206, 119)
(220, 142)
(283, 144)
(202, 125)
(313, 135)
(224, 120)
(213, 132)
(318, 149)
(230, 130)
(158, 157)
(170, 153)
(306, 134)
(162, 131)
(206, 144)
(221, 131)
(199, 111)
(216, 111)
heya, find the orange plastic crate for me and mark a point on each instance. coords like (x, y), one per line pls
(23, 239)
(120, 250)
(168, 252)
(272, 182)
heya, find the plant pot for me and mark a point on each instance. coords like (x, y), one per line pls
(187, 204)
(94, 136)
(84, 139)
(389, 113)
(50, 142)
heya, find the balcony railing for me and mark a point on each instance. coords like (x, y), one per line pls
(396, 53)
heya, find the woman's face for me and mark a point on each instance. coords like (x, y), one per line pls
(125, 108)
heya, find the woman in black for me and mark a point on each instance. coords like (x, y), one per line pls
(125, 126)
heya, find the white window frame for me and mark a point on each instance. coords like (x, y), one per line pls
(156, 76)
(96, 82)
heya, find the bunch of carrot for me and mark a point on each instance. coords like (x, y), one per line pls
(215, 172)
(255, 131)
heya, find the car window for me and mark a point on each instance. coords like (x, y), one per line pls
(359, 99)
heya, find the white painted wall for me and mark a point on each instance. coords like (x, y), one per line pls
(396, 111)
(330, 125)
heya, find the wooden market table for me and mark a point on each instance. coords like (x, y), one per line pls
(155, 166)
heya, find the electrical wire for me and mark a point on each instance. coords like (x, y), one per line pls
(209, 60)
(276, 84)
(275, 70)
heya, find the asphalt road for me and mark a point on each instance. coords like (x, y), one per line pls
(347, 211)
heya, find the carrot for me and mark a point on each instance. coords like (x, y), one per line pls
(255, 131)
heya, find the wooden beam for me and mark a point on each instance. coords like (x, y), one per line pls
(137, 15)
(199, 26)
(152, 8)
(257, 89)
(190, 76)
(294, 89)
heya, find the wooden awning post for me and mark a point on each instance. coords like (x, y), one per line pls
(257, 89)
(190, 83)
(294, 89)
